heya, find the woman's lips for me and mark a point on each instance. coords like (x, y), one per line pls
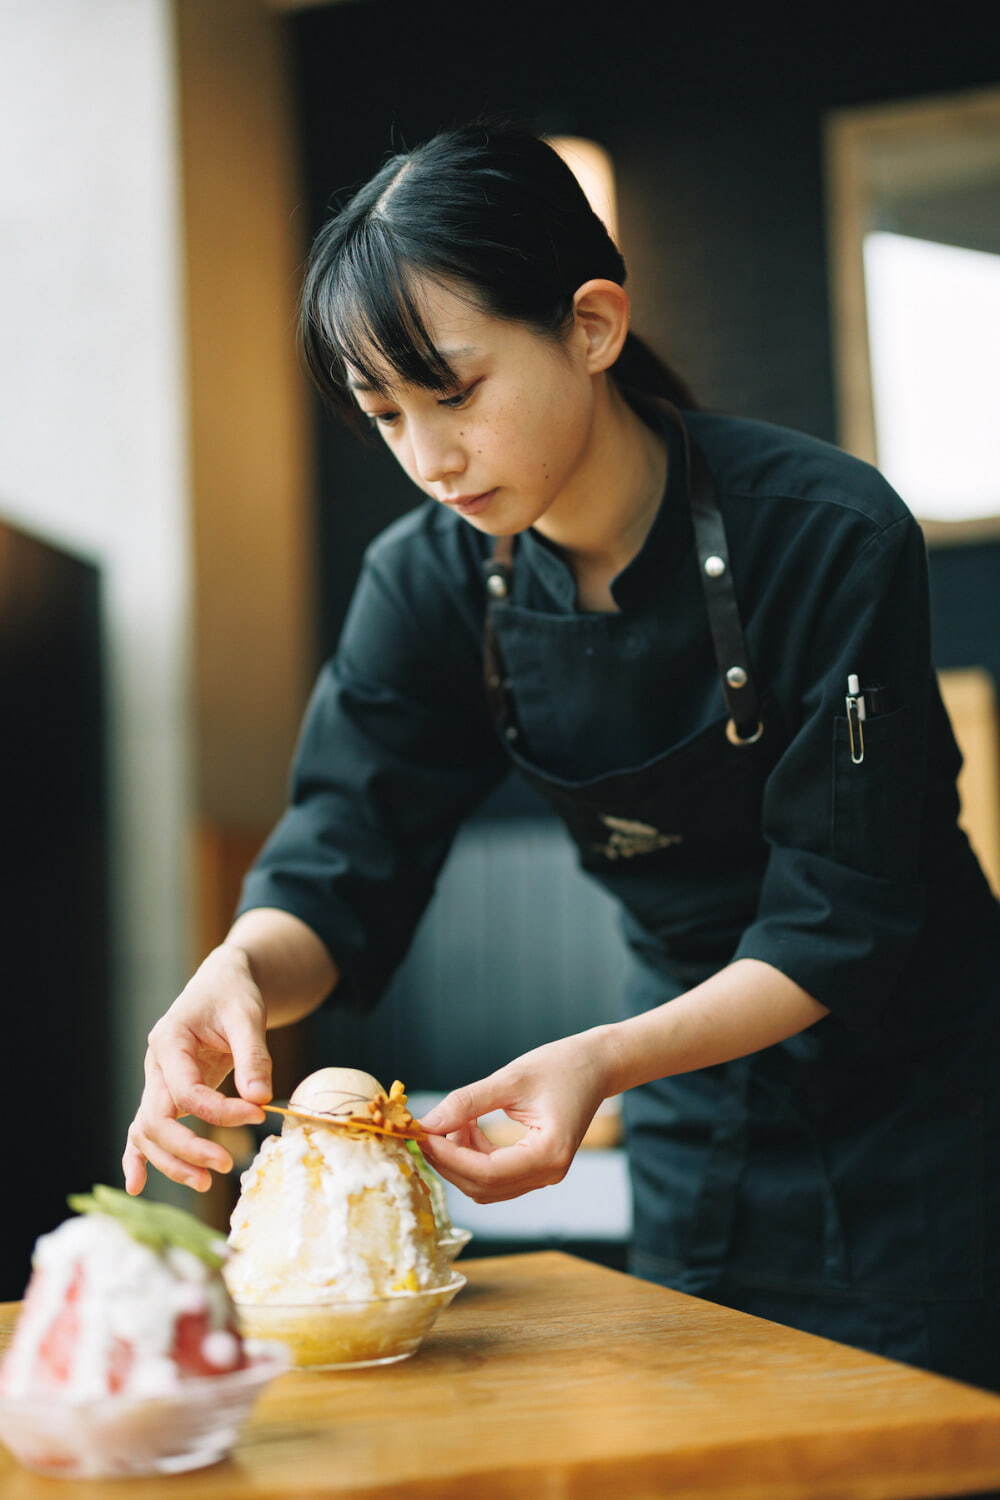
(474, 506)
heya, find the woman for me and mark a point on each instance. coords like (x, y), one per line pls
(705, 640)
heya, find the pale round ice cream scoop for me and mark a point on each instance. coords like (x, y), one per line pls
(326, 1215)
(336, 1091)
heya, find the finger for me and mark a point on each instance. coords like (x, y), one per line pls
(466, 1104)
(484, 1196)
(134, 1169)
(531, 1162)
(170, 1135)
(189, 1096)
(251, 1060)
(480, 1141)
(471, 1136)
(156, 1122)
(480, 1194)
(173, 1166)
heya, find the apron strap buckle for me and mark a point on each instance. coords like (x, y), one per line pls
(735, 737)
(499, 568)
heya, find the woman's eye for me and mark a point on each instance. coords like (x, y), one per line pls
(388, 418)
(460, 398)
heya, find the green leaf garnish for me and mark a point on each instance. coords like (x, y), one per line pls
(158, 1225)
(439, 1202)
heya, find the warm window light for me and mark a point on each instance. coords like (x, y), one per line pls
(934, 331)
(591, 166)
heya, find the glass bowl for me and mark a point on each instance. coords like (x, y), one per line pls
(113, 1437)
(454, 1242)
(349, 1335)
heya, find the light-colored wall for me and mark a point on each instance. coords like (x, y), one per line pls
(92, 413)
(154, 420)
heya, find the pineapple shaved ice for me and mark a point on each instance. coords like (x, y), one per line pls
(326, 1215)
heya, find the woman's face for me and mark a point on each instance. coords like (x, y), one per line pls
(505, 446)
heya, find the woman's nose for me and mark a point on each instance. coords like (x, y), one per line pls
(436, 454)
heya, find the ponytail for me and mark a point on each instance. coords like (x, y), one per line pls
(639, 371)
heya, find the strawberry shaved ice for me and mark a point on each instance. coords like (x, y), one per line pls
(127, 1357)
(105, 1313)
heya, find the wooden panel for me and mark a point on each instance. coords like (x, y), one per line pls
(251, 520)
(224, 855)
(550, 1377)
(970, 698)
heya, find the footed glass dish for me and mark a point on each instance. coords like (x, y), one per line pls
(349, 1335)
(453, 1242)
(113, 1437)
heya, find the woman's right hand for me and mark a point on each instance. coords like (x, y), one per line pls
(216, 1025)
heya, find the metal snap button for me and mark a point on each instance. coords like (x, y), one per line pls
(511, 732)
(715, 566)
(736, 677)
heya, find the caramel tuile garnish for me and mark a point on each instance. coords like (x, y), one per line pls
(386, 1114)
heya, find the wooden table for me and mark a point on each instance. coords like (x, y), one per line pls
(553, 1379)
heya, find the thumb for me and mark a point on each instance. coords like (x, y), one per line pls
(465, 1105)
(251, 1059)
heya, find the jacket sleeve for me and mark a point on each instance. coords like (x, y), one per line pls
(395, 749)
(843, 897)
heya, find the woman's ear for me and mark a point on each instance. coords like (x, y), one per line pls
(601, 313)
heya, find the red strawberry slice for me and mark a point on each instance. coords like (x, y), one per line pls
(120, 1363)
(188, 1349)
(56, 1350)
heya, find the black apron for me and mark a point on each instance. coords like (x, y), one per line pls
(810, 1182)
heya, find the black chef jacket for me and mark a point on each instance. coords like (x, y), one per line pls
(860, 885)
(848, 1180)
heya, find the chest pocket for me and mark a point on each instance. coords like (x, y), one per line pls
(877, 807)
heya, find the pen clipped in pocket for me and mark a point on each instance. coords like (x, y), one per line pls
(877, 797)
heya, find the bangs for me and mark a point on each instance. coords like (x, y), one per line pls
(365, 313)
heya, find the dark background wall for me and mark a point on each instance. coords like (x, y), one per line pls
(54, 935)
(715, 127)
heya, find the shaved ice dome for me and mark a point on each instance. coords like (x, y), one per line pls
(329, 1216)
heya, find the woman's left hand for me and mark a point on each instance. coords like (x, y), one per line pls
(554, 1091)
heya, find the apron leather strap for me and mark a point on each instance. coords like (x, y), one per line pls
(745, 726)
(499, 573)
(731, 655)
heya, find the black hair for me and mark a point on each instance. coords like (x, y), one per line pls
(489, 210)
